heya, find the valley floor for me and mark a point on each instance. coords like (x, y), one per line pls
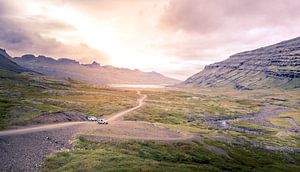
(273, 144)
(167, 129)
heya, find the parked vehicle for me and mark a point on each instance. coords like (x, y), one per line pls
(102, 121)
(92, 118)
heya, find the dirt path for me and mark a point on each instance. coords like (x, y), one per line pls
(37, 128)
(26, 149)
(119, 115)
(133, 130)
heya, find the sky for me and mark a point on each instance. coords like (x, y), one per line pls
(174, 37)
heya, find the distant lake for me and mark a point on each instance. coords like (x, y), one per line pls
(137, 86)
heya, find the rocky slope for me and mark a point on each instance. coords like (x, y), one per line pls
(66, 68)
(267, 67)
(7, 64)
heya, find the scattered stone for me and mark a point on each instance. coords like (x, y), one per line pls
(192, 118)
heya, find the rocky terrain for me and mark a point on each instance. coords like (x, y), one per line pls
(27, 151)
(272, 66)
(94, 72)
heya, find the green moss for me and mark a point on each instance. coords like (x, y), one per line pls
(5, 104)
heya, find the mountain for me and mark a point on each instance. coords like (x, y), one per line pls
(267, 67)
(67, 68)
(7, 64)
(94, 64)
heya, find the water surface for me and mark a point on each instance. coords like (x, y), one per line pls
(137, 86)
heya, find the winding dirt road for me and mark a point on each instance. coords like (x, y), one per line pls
(26, 149)
(121, 114)
(114, 117)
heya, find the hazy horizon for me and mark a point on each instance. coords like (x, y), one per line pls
(172, 37)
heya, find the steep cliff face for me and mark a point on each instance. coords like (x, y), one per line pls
(272, 66)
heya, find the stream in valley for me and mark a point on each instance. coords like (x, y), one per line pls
(257, 119)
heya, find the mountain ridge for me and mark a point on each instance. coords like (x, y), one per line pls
(271, 66)
(94, 72)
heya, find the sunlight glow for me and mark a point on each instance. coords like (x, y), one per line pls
(87, 30)
(101, 36)
(105, 36)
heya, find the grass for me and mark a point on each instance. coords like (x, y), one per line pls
(25, 96)
(279, 121)
(155, 156)
(4, 106)
(252, 126)
(292, 113)
(191, 108)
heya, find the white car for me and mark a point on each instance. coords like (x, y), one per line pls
(92, 118)
(102, 121)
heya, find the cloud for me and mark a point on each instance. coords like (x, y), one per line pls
(206, 16)
(143, 33)
(206, 29)
(44, 24)
(18, 41)
(26, 34)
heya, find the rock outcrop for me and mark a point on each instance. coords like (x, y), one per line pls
(267, 67)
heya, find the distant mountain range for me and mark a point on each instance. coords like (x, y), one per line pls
(94, 72)
(267, 67)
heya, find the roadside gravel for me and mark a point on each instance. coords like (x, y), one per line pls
(27, 151)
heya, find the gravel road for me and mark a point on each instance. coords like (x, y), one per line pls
(26, 149)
